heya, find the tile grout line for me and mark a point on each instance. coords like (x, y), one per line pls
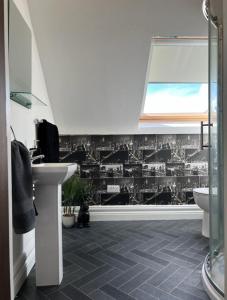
(176, 287)
(65, 296)
(147, 268)
(146, 281)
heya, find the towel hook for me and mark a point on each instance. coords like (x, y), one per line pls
(37, 121)
(13, 132)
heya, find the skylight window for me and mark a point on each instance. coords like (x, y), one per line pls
(177, 88)
(176, 98)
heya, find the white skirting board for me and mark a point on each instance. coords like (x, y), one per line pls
(23, 265)
(144, 212)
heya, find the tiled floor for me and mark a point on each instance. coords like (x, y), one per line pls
(142, 260)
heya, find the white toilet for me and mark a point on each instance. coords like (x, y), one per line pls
(201, 197)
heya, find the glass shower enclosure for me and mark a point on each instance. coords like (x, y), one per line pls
(214, 264)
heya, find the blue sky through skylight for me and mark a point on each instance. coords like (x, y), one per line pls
(176, 98)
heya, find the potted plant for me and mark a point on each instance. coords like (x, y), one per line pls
(68, 217)
(75, 193)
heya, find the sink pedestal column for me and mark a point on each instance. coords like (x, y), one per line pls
(48, 235)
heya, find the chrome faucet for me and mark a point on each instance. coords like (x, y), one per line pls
(34, 158)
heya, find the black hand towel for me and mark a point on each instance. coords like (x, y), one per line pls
(48, 137)
(22, 189)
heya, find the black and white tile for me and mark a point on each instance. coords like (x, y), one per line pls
(149, 169)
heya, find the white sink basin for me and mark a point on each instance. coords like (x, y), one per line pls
(52, 173)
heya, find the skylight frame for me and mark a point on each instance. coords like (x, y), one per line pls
(183, 116)
(174, 117)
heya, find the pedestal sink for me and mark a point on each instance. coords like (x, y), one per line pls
(48, 179)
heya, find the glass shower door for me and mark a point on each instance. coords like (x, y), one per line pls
(216, 263)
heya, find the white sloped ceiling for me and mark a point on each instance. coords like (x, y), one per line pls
(95, 55)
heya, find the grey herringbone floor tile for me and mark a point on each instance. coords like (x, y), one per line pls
(186, 244)
(140, 235)
(81, 262)
(194, 279)
(190, 254)
(115, 293)
(58, 296)
(163, 274)
(173, 280)
(126, 276)
(141, 295)
(91, 259)
(157, 246)
(174, 243)
(136, 281)
(193, 290)
(142, 260)
(164, 232)
(98, 282)
(69, 277)
(181, 256)
(181, 294)
(73, 293)
(202, 252)
(157, 293)
(100, 295)
(119, 257)
(91, 276)
(126, 246)
(113, 236)
(109, 245)
(143, 246)
(177, 261)
(95, 250)
(151, 257)
(111, 261)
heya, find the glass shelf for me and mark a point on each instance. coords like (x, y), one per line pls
(26, 99)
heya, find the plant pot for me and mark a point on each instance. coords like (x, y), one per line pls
(68, 221)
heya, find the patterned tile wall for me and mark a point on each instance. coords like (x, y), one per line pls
(145, 169)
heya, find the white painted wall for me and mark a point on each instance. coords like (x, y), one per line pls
(95, 56)
(22, 122)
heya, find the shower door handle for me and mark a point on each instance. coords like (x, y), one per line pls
(202, 146)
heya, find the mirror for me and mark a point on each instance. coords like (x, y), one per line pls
(20, 59)
(20, 53)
